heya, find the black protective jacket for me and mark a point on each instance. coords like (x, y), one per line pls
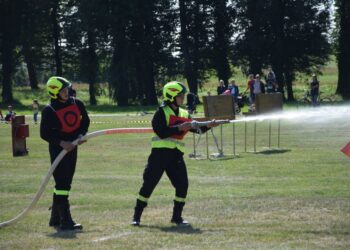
(51, 127)
(160, 127)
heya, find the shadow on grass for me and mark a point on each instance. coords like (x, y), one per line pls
(274, 151)
(328, 232)
(66, 234)
(175, 229)
(223, 157)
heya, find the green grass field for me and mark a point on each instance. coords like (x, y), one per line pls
(294, 198)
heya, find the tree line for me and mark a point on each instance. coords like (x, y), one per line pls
(134, 45)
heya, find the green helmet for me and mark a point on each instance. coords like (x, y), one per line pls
(55, 84)
(173, 89)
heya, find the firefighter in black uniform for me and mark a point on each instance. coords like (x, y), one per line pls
(63, 120)
(170, 124)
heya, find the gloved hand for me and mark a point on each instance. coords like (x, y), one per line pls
(81, 141)
(185, 126)
(67, 145)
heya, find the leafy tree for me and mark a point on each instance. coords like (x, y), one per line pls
(223, 16)
(304, 42)
(35, 36)
(252, 42)
(121, 75)
(85, 32)
(56, 34)
(289, 35)
(343, 47)
(194, 41)
(10, 25)
(142, 45)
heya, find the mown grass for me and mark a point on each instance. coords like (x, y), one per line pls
(295, 198)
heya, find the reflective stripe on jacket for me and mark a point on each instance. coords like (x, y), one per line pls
(173, 141)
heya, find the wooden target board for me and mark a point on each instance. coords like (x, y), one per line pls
(219, 107)
(268, 103)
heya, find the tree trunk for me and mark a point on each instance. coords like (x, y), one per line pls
(56, 37)
(145, 52)
(221, 41)
(10, 31)
(33, 80)
(281, 83)
(343, 55)
(289, 83)
(7, 69)
(150, 92)
(190, 73)
(119, 69)
(254, 55)
(277, 55)
(92, 66)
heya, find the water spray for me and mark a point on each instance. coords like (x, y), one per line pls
(319, 114)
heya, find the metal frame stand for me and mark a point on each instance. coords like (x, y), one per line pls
(220, 147)
(255, 136)
(269, 134)
(245, 136)
(278, 133)
(195, 155)
(234, 139)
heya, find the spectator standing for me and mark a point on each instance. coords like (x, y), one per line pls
(259, 86)
(250, 87)
(35, 106)
(1, 116)
(314, 90)
(221, 88)
(234, 89)
(271, 83)
(10, 114)
(229, 87)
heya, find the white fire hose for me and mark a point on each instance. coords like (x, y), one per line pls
(59, 158)
(195, 125)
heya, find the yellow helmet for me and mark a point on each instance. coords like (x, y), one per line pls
(173, 89)
(55, 84)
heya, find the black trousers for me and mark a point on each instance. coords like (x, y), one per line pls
(64, 172)
(172, 163)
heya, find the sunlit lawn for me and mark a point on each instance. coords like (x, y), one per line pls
(296, 197)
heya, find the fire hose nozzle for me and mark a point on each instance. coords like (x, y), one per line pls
(196, 124)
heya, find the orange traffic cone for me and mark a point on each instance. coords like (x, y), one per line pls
(346, 149)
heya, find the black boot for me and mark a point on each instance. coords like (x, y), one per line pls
(140, 205)
(55, 216)
(177, 214)
(66, 221)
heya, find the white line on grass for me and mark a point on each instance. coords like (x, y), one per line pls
(113, 236)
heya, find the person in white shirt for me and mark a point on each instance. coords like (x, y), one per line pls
(257, 85)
